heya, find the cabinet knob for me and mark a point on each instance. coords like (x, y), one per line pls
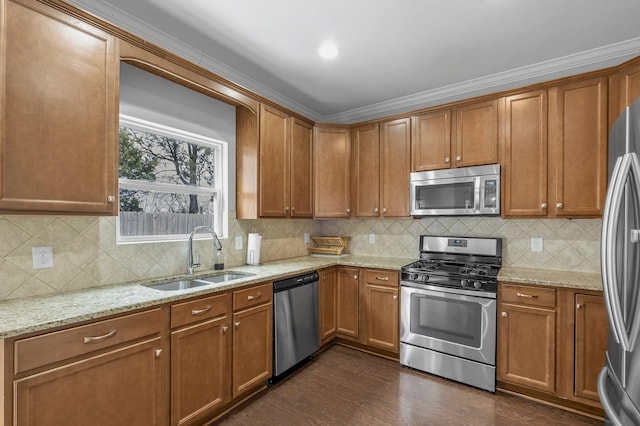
(348, 210)
(158, 352)
(293, 209)
(237, 324)
(543, 205)
(355, 277)
(384, 210)
(111, 199)
(395, 297)
(458, 158)
(579, 306)
(224, 329)
(559, 205)
(286, 209)
(504, 314)
(446, 159)
(375, 210)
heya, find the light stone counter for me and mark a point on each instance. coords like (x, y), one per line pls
(547, 277)
(34, 314)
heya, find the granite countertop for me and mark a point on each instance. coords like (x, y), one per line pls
(35, 314)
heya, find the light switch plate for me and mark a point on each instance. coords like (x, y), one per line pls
(238, 242)
(42, 257)
(372, 238)
(537, 244)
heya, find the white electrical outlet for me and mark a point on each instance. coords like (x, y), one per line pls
(42, 257)
(306, 238)
(537, 244)
(372, 238)
(238, 242)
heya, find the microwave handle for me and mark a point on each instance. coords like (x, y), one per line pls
(479, 203)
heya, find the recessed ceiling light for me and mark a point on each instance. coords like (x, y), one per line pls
(328, 50)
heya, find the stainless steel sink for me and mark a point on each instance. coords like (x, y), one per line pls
(198, 282)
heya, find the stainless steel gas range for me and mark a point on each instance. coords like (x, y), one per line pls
(448, 309)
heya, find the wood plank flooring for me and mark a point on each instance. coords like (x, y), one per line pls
(342, 386)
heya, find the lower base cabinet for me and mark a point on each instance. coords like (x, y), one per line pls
(381, 309)
(552, 343)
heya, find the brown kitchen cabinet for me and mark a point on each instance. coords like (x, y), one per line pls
(464, 136)
(327, 292)
(380, 309)
(524, 161)
(200, 358)
(331, 172)
(431, 143)
(381, 164)
(527, 336)
(578, 148)
(628, 78)
(347, 302)
(59, 90)
(285, 165)
(252, 338)
(116, 368)
(475, 134)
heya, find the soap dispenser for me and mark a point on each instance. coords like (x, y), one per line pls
(218, 263)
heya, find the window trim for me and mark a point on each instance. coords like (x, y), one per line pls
(221, 216)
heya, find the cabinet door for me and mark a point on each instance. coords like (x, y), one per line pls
(578, 142)
(592, 330)
(252, 345)
(476, 134)
(120, 387)
(301, 198)
(431, 144)
(395, 151)
(347, 302)
(200, 370)
(331, 153)
(381, 317)
(365, 146)
(327, 299)
(59, 90)
(629, 83)
(526, 347)
(274, 162)
(524, 164)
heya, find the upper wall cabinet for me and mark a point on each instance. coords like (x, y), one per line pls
(365, 149)
(331, 154)
(629, 83)
(464, 136)
(274, 165)
(578, 148)
(59, 82)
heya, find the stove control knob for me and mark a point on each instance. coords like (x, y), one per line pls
(465, 283)
(477, 284)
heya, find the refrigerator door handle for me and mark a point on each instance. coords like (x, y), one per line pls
(610, 412)
(626, 166)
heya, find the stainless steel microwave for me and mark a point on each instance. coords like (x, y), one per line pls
(456, 192)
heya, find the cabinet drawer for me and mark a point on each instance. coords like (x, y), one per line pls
(381, 277)
(200, 309)
(528, 295)
(48, 348)
(252, 296)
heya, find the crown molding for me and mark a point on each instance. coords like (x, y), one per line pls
(589, 60)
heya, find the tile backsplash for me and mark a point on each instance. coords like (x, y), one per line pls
(86, 254)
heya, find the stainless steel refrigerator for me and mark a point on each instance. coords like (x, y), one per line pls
(619, 380)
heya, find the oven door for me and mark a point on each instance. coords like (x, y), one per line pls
(439, 319)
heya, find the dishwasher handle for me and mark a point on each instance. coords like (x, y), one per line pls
(293, 282)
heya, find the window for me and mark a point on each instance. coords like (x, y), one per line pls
(170, 182)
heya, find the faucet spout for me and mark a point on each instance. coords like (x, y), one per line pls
(191, 265)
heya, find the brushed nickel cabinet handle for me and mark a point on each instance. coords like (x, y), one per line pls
(382, 278)
(504, 314)
(543, 205)
(458, 158)
(201, 311)
(257, 296)
(99, 338)
(527, 296)
(158, 352)
(559, 205)
(446, 159)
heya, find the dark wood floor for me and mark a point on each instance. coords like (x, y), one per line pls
(342, 386)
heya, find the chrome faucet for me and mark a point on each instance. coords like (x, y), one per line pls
(216, 245)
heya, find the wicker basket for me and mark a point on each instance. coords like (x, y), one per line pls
(332, 246)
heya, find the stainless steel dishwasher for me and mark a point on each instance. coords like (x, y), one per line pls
(295, 323)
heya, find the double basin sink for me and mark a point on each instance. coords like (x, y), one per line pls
(200, 281)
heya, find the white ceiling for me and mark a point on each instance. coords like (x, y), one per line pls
(395, 56)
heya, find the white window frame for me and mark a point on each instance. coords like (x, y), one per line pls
(221, 217)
